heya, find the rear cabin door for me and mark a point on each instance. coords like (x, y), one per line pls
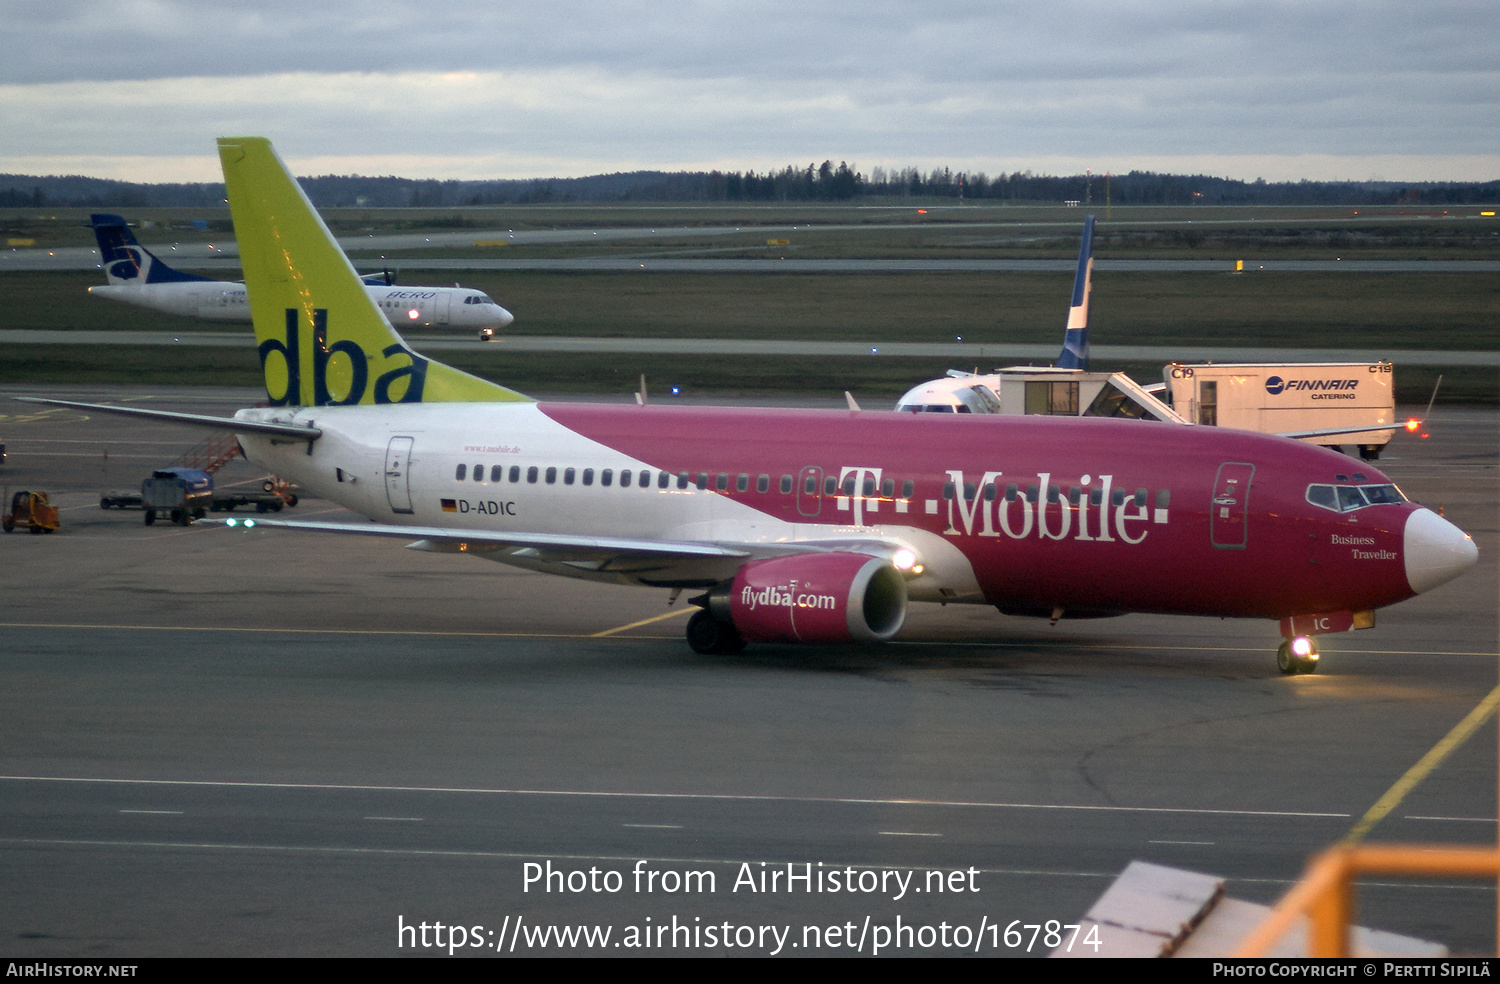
(1228, 520)
(398, 474)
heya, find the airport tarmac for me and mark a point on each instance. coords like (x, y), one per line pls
(230, 742)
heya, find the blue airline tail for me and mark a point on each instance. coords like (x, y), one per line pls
(1075, 350)
(126, 262)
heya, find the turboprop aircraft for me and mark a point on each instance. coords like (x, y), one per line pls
(138, 276)
(800, 525)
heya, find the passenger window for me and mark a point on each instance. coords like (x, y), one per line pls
(462, 471)
(531, 474)
(1051, 493)
(786, 485)
(624, 478)
(702, 482)
(969, 491)
(908, 489)
(1140, 497)
(888, 488)
(849, 485)
(1163, 497)
(722, 484)
(496, 471)
(568, 475)
(1032, 492)
(551, 476)
(607, 476)
(989, 491)
(1117, 497)
(869, 487)
(742, 483)
(478, 473)
(948, 490)
(763, 483)
(1096, 496)
(830, 485)
(588, 476)
(682, 480)
(515, 473)
(1012, 492)
(663, 480)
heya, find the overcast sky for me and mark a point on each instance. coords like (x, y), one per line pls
(139, 89)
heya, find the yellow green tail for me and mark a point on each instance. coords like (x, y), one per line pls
(322, 341)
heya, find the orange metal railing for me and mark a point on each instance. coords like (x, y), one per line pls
(1326, 892)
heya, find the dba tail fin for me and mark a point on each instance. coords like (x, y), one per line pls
(321, 339)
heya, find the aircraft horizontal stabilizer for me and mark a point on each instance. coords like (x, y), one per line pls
(192, 419)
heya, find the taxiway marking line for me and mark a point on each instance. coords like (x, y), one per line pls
(428, 633)
(1450, 743)
(645, 621)
(720, 797)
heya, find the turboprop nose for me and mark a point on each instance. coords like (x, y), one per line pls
(1436, 551)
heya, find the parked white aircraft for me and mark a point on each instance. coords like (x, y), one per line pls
(137, 276)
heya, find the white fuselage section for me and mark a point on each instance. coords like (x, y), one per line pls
(404, 307)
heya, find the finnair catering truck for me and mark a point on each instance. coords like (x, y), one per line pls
(1290, 398)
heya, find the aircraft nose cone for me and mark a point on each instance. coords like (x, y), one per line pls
(505, 317)
(1436, 551)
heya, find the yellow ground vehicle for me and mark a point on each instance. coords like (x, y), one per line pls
(31, 510)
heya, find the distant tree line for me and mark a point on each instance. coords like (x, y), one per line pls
(793, 183)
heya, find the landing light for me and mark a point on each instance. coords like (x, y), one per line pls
(414, 314)
(1413, 425)
(1302, 647)
(246, 523)
(904, 559)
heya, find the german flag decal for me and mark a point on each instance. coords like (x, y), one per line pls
(450, 505)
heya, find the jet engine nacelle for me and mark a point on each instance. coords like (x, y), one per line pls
(826, 597)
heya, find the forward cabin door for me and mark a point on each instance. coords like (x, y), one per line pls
(1228, 520)
(398, 474)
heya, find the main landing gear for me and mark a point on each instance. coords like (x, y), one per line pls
(1299, 655)
(711, 637)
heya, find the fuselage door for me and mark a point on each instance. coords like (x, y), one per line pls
(1228, 519)
(809, 495)
(398, 474)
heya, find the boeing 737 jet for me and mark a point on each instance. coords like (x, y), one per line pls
(801, 525)
(138, 276)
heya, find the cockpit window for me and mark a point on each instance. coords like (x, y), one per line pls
(1347, 498)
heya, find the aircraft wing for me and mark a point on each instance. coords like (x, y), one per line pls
(1335, 431)
(558, 547)
(598, 555)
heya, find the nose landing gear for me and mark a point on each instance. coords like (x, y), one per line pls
(1299, 655)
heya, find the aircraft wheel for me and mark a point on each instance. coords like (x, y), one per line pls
(710, 637)
(150, 516)
(9, 526)
(1285, 661)
(268, 485)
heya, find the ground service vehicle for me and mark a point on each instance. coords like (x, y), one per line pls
(30, 510)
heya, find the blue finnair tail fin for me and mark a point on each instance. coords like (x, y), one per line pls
(126, 262)
(1075, 350)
